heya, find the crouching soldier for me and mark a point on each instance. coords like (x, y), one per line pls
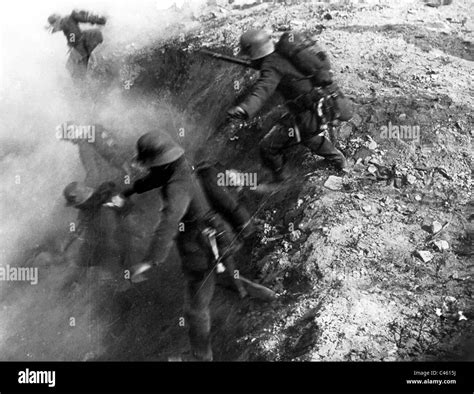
(187, 217)
(81, 42)
(103, 231)
(282, 69)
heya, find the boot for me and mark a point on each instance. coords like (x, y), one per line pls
(331, 154)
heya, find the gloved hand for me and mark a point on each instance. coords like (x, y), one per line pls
(116, 202)
(232, 128)
(237, 113)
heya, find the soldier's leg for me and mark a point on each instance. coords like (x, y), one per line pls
(280, 137)
(199, 292)
(321, 146)
(91, 38)
(77, 62)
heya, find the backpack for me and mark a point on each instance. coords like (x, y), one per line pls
(307, 57)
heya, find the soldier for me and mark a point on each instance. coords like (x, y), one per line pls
(101, 228)
(301, 124)
(104, 253)
(81, 43)
(187, 217)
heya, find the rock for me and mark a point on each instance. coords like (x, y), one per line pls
(461, 316)
(325, 230)
(417, 197)
(367, 208)
(372, 145)
(362, 153)
(333, 183)
(372, 169)
(356, 120)
(359, 196)
(397, 182)
(424, 255)
(298, 24)
(295, 235)
(241, 4)
(411, 179)
(451, 299)
(435, 227)
(345, 131)
(441, 245)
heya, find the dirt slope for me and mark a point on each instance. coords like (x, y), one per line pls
(344, 262)
(351, 285)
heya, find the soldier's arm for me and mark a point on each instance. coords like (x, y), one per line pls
(149, 182)
(87, 17)
(262, 90)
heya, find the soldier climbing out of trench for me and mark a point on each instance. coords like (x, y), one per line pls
(81, 42)
(188, 217)
(300, 71)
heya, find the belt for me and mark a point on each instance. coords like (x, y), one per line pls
(315, 97)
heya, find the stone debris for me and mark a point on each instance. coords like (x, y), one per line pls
(435, 227)
(424, 255)
(461, 316)
(411, 179)
(333, 183)
(372, 169)
(372, 145)
(441, 245)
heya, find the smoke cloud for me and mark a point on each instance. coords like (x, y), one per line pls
(37, 95)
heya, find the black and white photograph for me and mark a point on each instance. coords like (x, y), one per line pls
(209, 185)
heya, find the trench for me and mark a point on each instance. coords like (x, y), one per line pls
(199, 90)
(191, 93)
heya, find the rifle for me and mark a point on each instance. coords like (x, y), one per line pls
(230, 59)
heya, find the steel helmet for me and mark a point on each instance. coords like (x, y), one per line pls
(156, 149)
(256, 44)
(77, 193)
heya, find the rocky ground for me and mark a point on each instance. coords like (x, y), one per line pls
(381, 267)
(364, 275)
(371, 264)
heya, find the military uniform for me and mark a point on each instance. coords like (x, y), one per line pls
(187, 213)
(105, 239)
(81, 43)
(301, 124)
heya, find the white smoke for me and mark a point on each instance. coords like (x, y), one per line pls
(36, 95)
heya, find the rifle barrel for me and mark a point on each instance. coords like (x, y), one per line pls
(226, 58)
